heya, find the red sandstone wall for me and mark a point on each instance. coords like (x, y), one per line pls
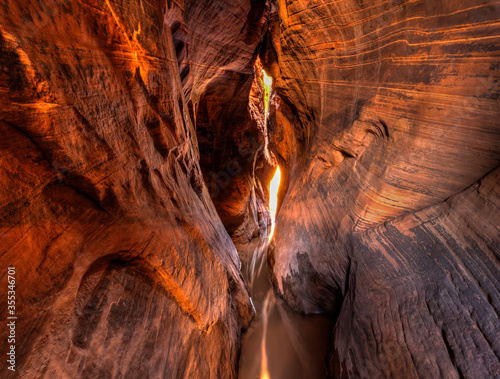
(123, 266)
(388, 109)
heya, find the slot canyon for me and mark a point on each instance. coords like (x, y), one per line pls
(250, 189)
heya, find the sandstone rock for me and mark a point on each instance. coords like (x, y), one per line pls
(384, 111)
(135, 160)
(123, 266)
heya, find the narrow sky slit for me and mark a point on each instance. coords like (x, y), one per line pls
(268, 83)
(273, 198)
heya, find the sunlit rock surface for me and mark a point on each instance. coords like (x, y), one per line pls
(135, 160)
(386, 122)
(124, 268)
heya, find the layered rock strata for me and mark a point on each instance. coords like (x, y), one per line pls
(130, 148)
(386, 123)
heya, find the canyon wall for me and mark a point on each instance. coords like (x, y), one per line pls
(134, 158)
(385, 120)
(123, 266)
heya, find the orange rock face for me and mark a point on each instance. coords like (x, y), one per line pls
(135, 160)
(123, 266)
(386, 121)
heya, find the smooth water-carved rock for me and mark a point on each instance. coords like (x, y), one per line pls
(135, 155)
(123, 266)
(383, 113)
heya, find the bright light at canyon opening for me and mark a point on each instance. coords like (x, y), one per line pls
(273, 198)
(267, 81)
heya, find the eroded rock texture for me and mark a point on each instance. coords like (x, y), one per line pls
(386, 122)
(133, 139)
(124, 268)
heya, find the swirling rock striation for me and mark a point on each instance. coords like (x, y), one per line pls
(386, 122)
(133, 141)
